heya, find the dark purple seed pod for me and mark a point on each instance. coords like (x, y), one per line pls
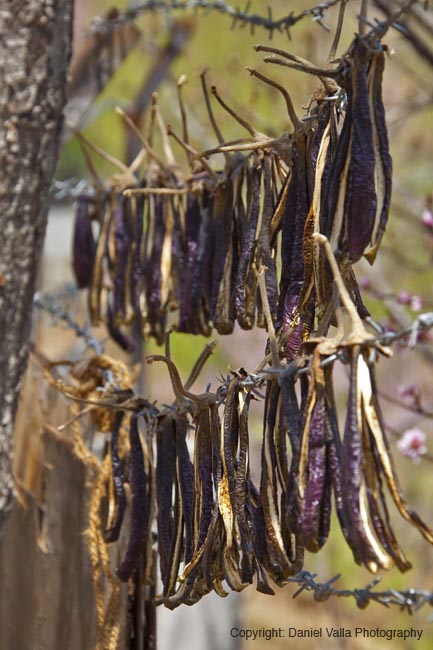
(197, 314)
(361, 199)
(277, 562)
(139, 505)
(335, 456)
(314, 519)
(165, 481)
(353, 481)
(203, 473)
(266, 254)
(385, 161)
(334, 171)
(116, 333)
(122, 235)
(185, 471)
(193, 224)
(137, 271)
(84, 245)
(247, 246)
(222, 225)
(242, 495)
(382, 451)
(287, 238)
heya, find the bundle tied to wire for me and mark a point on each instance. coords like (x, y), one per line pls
(202, 251)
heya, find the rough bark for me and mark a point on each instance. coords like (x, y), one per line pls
(35, 47)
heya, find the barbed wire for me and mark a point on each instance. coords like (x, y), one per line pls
(239, 17)
(52, 303)
(69, 189)
(420, 325)
(409, 600)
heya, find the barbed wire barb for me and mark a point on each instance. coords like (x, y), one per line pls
(410, 600)
(238, 16)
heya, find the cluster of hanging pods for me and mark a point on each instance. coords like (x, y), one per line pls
(269, 240)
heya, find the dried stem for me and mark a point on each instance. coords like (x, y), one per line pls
(198, 366)
(168, 152)
(180, 84)
(100, 152)
(363, 17)
(317, 72)
(233, 113)
(269, 322)
(210, 111)
(335, 42)
(289, 104)
(192, 153)
(155, 190)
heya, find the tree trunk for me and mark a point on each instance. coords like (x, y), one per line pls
(35, 47)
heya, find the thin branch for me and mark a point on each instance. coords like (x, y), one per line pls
(407, 406)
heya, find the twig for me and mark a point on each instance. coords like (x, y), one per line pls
(412, 408)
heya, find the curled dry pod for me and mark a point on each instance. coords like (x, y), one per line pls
(257, 524)
(158, 245)
(119, 249)
(194, 284)
(358, 189)
(116, 333)
(185, 478)
(293, 226)
(204, 467)
(202, 278)
(378, 508)
(313, 473)
(242, 493)
(136, 270)
(317, 286)
(112, 534)
(198, 573)
(232, 489)
(222, 257)
(383, 161)
(289, 429)
(367, 549)
(245, 294)
(358, 468)
(335, 456)
(277, 563)
(97, 283)
(84, 246)
(266, 251)
(373, 423)
(182, 537)
(360, 198)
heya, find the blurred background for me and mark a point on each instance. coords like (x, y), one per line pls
(159, 47)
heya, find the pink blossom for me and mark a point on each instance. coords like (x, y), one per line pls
(427, 218)
(365, 283)
(410, 390)
(416, 303)
(404, 297)
(412, 444)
